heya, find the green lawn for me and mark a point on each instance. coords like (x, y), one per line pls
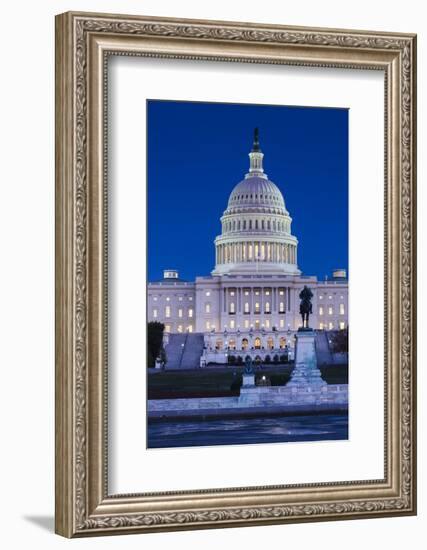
(224, 381)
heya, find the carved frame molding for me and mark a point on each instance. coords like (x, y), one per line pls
(83, 44)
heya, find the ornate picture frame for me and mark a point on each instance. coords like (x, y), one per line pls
(84, 42)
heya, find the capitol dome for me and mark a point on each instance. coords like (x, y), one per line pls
(256, 227)
(256, 192)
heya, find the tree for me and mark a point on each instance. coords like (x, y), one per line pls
(154, 342)
(340, 341)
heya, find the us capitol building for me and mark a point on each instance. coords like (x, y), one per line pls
(249, 304)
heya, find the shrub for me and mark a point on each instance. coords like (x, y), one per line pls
(283, 358)
(267, 359)
(239, 360)
(276, 359)
(231, 359)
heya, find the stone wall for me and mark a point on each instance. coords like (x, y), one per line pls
(258, 396)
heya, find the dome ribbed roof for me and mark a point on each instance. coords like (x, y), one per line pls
(256, 191)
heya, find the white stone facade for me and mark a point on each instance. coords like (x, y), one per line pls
(250, 302)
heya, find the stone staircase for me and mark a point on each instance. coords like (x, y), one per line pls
(184, 351)
(323, 350)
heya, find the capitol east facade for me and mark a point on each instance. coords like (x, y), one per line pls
(249, 304)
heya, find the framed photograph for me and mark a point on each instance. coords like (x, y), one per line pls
(235, 274)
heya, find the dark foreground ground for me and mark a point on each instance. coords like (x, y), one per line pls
(246, 431)
(225, 381)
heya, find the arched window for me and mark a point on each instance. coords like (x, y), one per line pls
(267, 307)
(245, 343)
(270, 343)
(246, 307)
(257, 344)
(232, 343)
(282, 342)
(218, 343)
(232, 307)
(207, 307)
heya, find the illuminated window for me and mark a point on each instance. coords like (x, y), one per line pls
(232, 343)
(256, 307)
(282, 342)
(232, 293)
(180, 298)
(282, 323)
(154, 313)
(179, 328)
(190, 298)
(256, 292)
(281, 292)
(342, 325)
(246, 323)
(331, 326)
(246, 307)
(190, 328)
(190, 312)
(180, 312)
(281, 307)
(232, 323)
(267, 323)
(207, 308)
(270, 343)
(208, 325)
(267, 307)
(167, 312)
(320, 297)
(155, 298)
(167, 328)
(321, 310)
(342, 309)
(218, 344)
(232, 307)
(330, 297)
(267, 293)
(245, 343)
(208, 293)
(257, 343)
(330, 310)
(321, 326)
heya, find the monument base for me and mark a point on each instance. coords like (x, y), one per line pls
(306, 371)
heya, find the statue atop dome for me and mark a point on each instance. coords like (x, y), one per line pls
(256, 147)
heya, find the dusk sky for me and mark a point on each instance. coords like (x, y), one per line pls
(198, 152)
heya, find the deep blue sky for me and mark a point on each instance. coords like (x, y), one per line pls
(197, 153)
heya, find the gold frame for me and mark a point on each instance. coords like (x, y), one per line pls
(83, 505)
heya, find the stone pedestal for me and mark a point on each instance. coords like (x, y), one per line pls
(248, 380)
(306, 371)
